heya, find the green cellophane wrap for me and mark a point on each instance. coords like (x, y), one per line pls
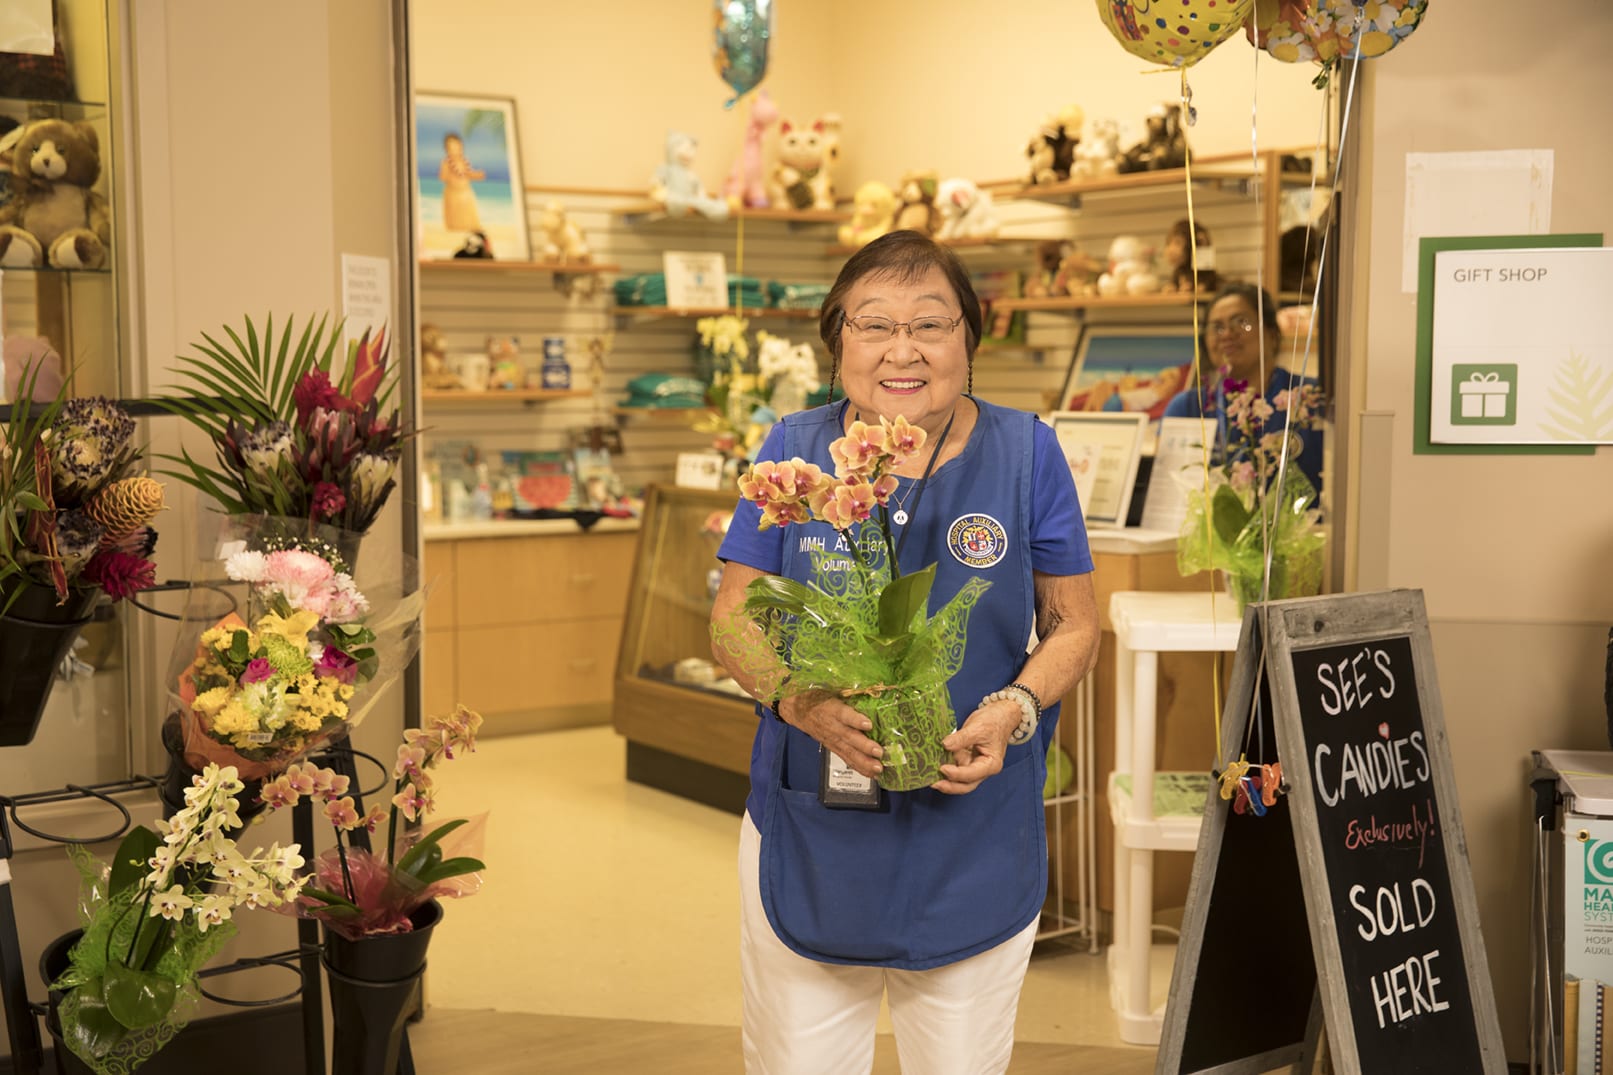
(853, 632)
(89, 1028)
(1225, 530)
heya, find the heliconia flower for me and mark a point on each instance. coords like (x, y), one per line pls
(257, 670)
(851, 501)
(316, 391)
(367, 361)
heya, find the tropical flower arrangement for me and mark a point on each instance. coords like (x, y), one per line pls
(1253, 506)
(153, 917)
(358, 893)
(299, 669)
(860, 629)
(73, 515)
(294, 433)
(747, 396)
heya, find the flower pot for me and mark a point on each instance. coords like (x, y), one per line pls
(909, 723)
(374, 987)
(52, 964)
(35, 635)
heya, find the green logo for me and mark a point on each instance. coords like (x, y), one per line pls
(1598, 862)
(1484, 394)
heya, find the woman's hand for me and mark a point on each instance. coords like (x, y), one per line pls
(836, 725)
(978, 748)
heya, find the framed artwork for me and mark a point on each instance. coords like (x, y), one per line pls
(472, 201)
(1103, 449)
(1128, 368)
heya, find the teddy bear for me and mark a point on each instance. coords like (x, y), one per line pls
(1052, 149)
(676, 186)
(1131, 269)
(435, 373)
(917, 193)
(561, 239)
(54, 216)
(1077, 274)
(966, 210)
(873, 213)
(1039, 281)
(1098, 156)
(1164, 145)
(798, 180)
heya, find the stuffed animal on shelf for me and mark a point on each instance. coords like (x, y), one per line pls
(475, 246)
(966, 211)
(1052, 149)
(1164, 145)
(917, 192)
(1179, 258)
(562, 241)
(54, 215)
(1078, 274)
(1131, 270)
(745, 185)
(873, 213)
(677, 188)
(434, 369)
(1098, 156)
(1039, 281)
(798, 180)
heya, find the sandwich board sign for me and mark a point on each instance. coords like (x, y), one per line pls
(1346, 902)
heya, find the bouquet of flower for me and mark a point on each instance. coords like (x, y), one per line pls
(747, 396)
(1246, 513)
(301, 666)
(357, 893)
(155, 916)
(294, 435)
(860, 629)
(72, 514)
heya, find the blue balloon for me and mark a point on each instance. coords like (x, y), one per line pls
(739, 47)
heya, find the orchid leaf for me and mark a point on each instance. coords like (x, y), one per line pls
(454, 867)
(130, 864)
(904, 601)
(87, 1025)
(413, 859)
(1228, 515)
(776, 593)
(137, 998)
(338, 905)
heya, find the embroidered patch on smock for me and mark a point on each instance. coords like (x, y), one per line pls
(977, 540)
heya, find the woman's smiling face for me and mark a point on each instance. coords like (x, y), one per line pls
(902, 376)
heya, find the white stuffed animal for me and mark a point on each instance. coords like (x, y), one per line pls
(562, 241)
(966, 211)
(1098, 156)
(1131, 269)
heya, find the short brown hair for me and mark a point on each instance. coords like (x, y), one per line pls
(903, 256)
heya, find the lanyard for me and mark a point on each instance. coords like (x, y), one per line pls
(918, 490)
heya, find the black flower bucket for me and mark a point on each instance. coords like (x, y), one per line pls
(36, 634)
(53, 963)
(374, 988)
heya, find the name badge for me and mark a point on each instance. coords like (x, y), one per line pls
(841, 787)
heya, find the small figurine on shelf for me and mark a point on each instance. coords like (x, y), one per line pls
(504, 363)
(1039, 281)
(1078, 274)
(434, 360)
(562, 240)
(798, 180)
(918, 202)
(745, 184)
(873, 213)
(1180, 254)
(1164, 146)
(677, 188)
(1098, 156)
(828, 126)
(476, 246)
(1131, 270)
(966, 211)
(1052, 149)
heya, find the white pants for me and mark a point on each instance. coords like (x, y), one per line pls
(802, 1017)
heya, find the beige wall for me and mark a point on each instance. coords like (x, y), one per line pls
(960, 87)
(1510, 551)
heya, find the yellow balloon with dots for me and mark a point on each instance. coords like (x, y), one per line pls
(1176, 33)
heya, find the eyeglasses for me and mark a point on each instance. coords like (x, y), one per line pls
(933, 329)
(1232, 325)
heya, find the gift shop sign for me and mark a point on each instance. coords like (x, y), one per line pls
(1521, 353)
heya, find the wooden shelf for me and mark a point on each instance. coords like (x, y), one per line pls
(1095, 302)
(715, 311)
(663, 414)
(485, 265)
(971, 243)
(647, 211)
(495, 396)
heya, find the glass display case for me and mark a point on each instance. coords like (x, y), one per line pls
(688, 726)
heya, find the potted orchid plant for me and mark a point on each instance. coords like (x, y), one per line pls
(860, 629)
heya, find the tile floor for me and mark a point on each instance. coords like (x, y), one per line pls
(610, 900)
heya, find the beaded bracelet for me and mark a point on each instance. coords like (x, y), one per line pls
(1030, 709)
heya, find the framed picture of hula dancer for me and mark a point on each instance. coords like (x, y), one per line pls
(471, 201)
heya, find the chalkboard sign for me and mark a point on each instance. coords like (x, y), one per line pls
(1345, 687)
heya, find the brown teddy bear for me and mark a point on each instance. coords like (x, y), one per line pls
(55, 217)
(918, 213)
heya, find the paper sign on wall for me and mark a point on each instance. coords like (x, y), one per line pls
(366, 296)
(695, 280)
(1521, 353)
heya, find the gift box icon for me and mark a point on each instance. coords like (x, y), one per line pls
(1484, 394)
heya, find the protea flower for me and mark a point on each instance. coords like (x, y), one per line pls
(78, 538)
(90, 446)
(263, 448)
(369, 482)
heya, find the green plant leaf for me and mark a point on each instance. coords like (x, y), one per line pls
(454, 867)
(87, 1026)
(337, 904)
(774, 592)
(904, 600)
(131, 863)
(30, 501)
(412, 859)
(1228, 515)
(137, 998)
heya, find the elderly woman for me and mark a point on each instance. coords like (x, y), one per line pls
(932, 898)
(1242, 342)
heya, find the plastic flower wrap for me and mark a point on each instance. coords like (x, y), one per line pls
(860, 629)
(358, 893)
(1254, 502)
(161, 910)
(301, 655)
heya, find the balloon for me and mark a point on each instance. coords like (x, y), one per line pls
(1176, 33)
(1326, 31)
(742, 30)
